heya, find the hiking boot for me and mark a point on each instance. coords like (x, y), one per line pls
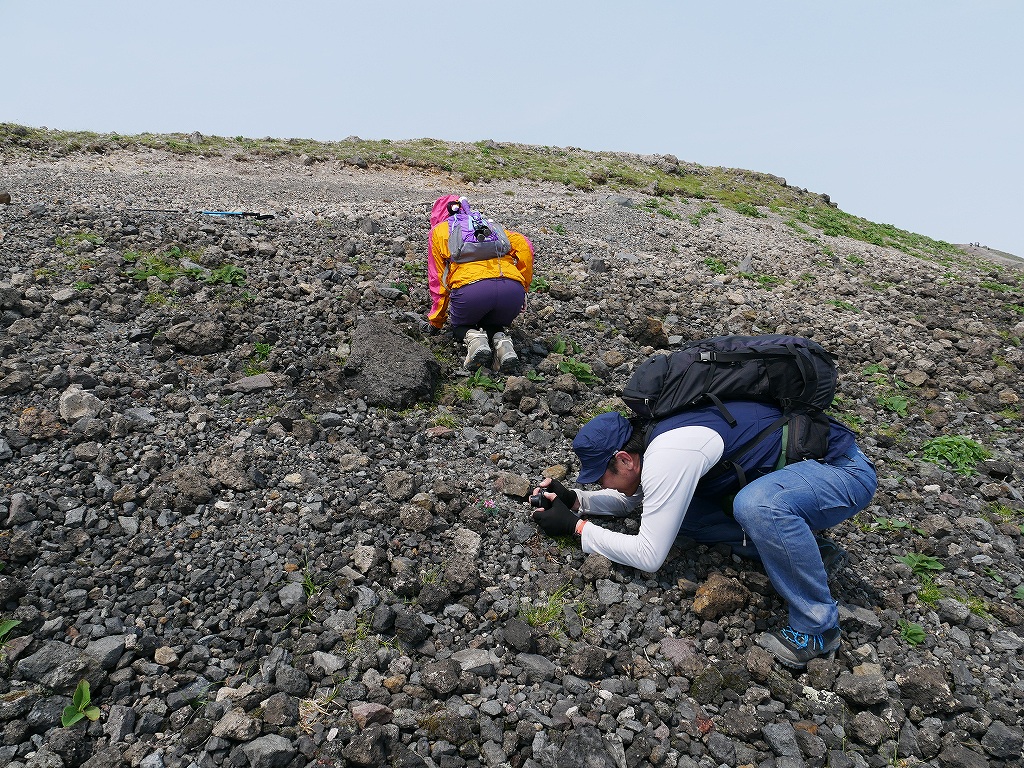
(794, 649)
(478, 351)
(833, 557)
(505, 358)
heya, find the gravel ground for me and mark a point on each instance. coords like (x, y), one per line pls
(274, 526)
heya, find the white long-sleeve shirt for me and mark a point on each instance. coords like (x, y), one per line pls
(673, 464)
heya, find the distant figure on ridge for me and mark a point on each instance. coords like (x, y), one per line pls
(479, 273)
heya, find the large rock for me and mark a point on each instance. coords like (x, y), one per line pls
(585, 747)
(719, 595)
(926, 687)
(18, 381)
(190, 486)
(59, 666)
(442, 677)
(196, 338)
(862, 690)
(76, 403)
(272, 751)
(389, 368)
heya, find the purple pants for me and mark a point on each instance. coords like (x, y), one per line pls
(491, 304)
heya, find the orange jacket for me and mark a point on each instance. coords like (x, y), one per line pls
(445, 276)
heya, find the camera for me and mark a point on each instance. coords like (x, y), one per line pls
(540, 500)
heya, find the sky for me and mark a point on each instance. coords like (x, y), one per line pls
(908, 113)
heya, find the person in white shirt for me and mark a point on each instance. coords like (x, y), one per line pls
(676, 471)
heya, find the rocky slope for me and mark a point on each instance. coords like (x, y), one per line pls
(274, 526)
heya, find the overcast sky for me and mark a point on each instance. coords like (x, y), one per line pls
(909, 112)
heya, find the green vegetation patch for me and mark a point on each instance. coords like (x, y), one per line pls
(579, 370)
(911, 633)
(921, 564)
(705, 210)
(836, 223)
(743, 190)
(167, 266)
(962, 453)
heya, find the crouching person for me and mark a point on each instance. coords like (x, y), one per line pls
(775, 517)
(479, 274)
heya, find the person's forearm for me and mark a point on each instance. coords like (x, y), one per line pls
(607, 503)
(639, 551)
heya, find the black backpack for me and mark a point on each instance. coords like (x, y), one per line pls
(793, 373)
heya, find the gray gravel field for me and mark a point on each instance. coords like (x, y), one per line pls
(274, 526)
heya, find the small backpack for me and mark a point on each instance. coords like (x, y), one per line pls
(795, 374)
(473, 238)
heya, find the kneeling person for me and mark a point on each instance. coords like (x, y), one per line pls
(775, 516)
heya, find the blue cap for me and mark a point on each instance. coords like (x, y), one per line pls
(595, 444)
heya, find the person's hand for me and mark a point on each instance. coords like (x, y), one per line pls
(564, 495)
(557, 521)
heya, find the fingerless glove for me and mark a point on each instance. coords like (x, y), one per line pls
(557, 521)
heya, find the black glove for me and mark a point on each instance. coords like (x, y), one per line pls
(557, 521)
(564, 495)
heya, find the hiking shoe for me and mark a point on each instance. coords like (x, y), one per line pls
(478, 351)
(794, 649)
(833, 557)
(505, 358)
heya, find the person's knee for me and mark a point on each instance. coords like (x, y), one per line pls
(763, 503)
(750, 503)
(750, 512)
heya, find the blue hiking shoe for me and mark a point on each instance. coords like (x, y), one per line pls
(794, 649)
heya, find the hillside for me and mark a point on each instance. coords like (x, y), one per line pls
(273, 525)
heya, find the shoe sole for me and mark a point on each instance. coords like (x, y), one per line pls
(509, 365)
(479, 359)
(830, 654)
(837, 566)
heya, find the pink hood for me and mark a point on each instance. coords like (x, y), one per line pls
(440, 211)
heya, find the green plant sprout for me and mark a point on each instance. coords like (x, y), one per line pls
(930, 593)
(480, 380)
(892, 524)
(959, 451)
(228, 274)
(994, 575)
(5, 629)
(580, 371)
(705, 210)
(748, 210)
(895, 403)
(562, 346)
(843, 305)
(539, 285)
(921, 564)
(80, 706)
(547, 612)
(911, 633)
(716, 266)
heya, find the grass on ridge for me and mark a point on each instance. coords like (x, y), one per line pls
(739, 189)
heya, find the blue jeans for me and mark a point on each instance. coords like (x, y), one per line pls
(778, 514)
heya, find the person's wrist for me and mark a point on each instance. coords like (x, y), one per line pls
(579, 527)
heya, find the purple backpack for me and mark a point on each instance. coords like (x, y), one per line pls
(471, 237)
